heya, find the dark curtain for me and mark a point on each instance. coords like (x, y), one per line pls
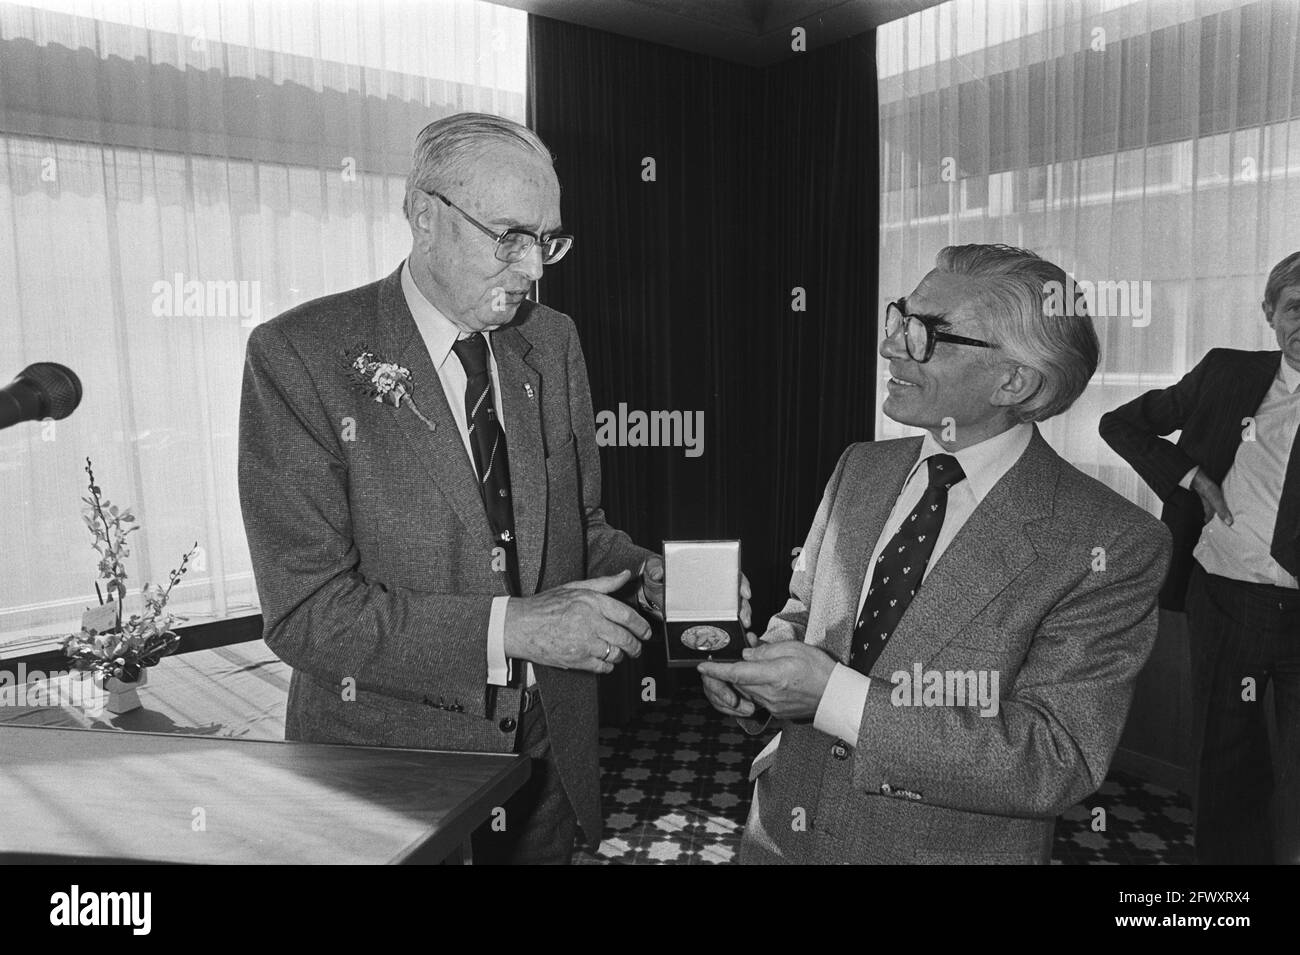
(682, 288)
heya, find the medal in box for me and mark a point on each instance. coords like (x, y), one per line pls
(702, 602)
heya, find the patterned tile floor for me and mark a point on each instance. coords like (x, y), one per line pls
(675, 792)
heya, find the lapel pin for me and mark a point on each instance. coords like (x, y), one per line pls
(528, 390)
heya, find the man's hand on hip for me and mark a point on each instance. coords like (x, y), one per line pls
(1212, 499)
(577, 626)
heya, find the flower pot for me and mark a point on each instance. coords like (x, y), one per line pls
(124, 696)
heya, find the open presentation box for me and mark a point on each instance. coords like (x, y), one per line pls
(702, 601)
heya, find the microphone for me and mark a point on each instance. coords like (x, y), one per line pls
(43, 390)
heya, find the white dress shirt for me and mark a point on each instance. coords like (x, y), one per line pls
(1252, 490)
(839, 713)
(439, 336)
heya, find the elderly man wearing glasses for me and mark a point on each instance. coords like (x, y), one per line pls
(968, 613)
(421, 489)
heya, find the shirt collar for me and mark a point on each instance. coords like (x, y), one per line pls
(985, 463)
(1290, 376)
(437, 330)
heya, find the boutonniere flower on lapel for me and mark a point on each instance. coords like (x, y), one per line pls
(384, 381)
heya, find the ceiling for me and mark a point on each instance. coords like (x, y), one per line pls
(754, 32)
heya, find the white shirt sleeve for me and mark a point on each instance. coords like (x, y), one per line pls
(1186, 482)
(839, 713)
(499, 669)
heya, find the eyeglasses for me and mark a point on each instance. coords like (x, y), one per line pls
(919, 332)
(513, 244)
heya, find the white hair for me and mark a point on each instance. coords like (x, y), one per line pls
(447, 146)
(1013, 300)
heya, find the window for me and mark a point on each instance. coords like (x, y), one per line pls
(252, 153)
(1129, 142)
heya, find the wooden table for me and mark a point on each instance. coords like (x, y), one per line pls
(109, 795)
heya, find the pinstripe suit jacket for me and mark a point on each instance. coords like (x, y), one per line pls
(370, 546)
(1020, 591)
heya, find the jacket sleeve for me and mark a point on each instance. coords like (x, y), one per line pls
(1052, 738)
(320, 615)
(1135, 431)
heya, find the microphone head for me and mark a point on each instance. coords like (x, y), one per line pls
(59, 385)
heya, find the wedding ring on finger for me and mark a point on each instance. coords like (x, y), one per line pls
(605, 658)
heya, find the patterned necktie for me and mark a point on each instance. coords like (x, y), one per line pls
(487, 441)
(897, 574)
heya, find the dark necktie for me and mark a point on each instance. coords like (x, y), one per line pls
(897, 574)
(1285, 546)
(487, 441)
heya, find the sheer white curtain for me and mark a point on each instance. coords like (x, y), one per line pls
(1129, 142)
(171, 174)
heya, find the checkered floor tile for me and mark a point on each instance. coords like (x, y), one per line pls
(675, 792)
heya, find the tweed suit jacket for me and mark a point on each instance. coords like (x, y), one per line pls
(370, 545)
(1022, 590)
(1209, 406)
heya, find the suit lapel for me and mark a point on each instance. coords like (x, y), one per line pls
(1243, 394)
(865, 513)
(441, 451)
(521, 406)
(993, 547)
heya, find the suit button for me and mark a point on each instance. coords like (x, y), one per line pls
(507, 725)
(840, 751)
(886, 789)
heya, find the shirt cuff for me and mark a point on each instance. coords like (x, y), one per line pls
(839, 713)
(498, 666)
(1186, 482)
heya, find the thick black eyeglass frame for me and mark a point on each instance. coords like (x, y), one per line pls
(932, 334)
(499, 237)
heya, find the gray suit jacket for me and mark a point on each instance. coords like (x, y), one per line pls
(1020, 590)
(370, 546)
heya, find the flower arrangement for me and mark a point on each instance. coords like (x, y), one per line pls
(137, 642)
(383, 381)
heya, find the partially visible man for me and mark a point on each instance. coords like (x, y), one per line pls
(1231, 488)
(421, 489)
(968, 614)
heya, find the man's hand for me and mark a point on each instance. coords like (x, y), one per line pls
(576, 626)
(651, 594)
(1212, 499)
(788, 677)
(725, 697)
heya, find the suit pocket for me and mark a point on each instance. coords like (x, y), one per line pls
(321, 715)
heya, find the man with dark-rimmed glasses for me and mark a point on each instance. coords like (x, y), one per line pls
(968, 612)
(421, 489)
